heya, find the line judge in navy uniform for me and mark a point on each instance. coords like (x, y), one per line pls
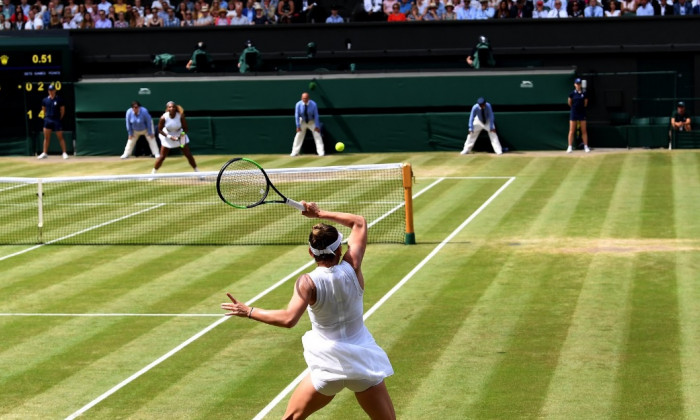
(53, 109)
(481, 118)
(306, 118)
(578, 101)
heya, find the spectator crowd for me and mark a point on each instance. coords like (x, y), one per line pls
(82, 14)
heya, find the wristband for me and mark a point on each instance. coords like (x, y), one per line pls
(251, 311)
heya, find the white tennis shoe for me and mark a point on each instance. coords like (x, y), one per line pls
(569, 149)
(42, 156)
(65, 155)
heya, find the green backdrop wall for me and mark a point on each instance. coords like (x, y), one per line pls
(377, 113)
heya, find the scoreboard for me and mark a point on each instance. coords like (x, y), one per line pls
(35, 64)
(28, 65)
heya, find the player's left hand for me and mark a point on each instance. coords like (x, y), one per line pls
(235, 307)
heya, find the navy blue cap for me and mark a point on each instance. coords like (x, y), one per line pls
(681, 104)
(481, 101)
(577, 81)
(52, 87)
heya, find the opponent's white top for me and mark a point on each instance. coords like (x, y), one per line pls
(174, 128)
(339, 346)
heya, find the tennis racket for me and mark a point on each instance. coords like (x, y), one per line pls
(242, 183)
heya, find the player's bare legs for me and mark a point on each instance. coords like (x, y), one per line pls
(163, 154)
(188, 154)
(584, 132)
(376, 402)
(572, 131)
(305, 401)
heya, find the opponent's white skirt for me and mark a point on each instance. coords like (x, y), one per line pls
(170, 144)
(360, 358)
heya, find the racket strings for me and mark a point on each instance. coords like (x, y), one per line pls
(243, 184)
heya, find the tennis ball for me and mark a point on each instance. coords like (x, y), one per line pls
(339, 147)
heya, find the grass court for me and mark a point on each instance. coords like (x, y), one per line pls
(543, 285)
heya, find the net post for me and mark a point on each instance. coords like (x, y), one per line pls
(40, 207)
(407, 172)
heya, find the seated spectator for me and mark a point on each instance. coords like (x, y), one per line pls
(87, 22)
(103, 5)
(285, 11)
(214, 9)
(55, 21)
(34, 22)
(666, 9)
(405, 6)
(205, 18)
(644, 8)
(680, 121)
(119, 7)
(221, 19)
(576, 9)
(628, 7)
(450, 13)
(155, 20)
(269, 10)
(503, 12)
(696, 9)
(240, 18)
(121, 21)
(682, 8)
(72, 7)
(485, 11)
(334, 16)
(139, 8)
(593, 9)
(414, 14)
(557, 11)
(396, 15)
(520, 11)
(613, 9)
(259, 18)
(172, 21)
(389, 6)
(369, 11)
(188, 20)
(5, 24)
(431, 13)
(539, 12)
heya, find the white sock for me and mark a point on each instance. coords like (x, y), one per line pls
(154, 170)
(196, 169)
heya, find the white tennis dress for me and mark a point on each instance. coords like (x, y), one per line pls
(339, 346)
(174, 127)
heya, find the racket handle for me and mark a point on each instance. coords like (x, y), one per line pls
(297, 205)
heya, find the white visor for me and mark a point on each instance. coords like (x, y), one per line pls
(330, 249)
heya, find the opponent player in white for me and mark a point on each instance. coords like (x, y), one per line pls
(172, 132)
(339, 350)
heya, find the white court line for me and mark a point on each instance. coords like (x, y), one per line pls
(81, 232)
(265, 411)
(184, 344)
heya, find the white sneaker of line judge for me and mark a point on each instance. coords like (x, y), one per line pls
(42, 156)
(569, 149)
(65, 155)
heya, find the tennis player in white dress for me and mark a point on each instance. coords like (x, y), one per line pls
(172, 132)
(339, 349)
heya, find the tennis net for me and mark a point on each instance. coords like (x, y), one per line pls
(184, 208)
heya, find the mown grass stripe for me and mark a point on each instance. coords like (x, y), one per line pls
(657, 208)
(686, 184)
(585, 378)
(650, 375)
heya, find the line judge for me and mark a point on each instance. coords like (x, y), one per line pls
(306, 118)
(481, 118)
